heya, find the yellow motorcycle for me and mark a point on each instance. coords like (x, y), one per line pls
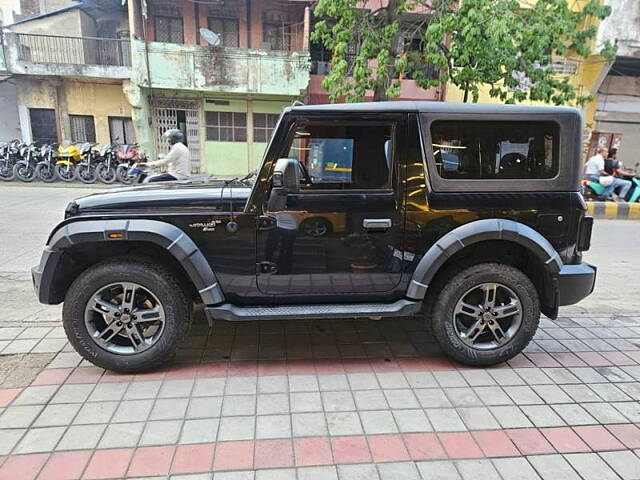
(68, 157)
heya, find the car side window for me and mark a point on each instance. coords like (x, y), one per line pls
(340, 156)
(485, 150)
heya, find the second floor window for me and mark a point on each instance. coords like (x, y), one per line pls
(228, 30)
(168, 29)
(226, 126)
(82, 128)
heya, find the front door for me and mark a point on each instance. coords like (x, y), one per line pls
(342, 232)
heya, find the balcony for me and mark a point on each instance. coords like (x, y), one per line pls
(33, 54)
(266, 71)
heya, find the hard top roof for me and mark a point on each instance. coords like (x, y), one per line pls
(433, 107)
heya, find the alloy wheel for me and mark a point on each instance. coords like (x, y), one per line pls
(487, 316)
(124, 318)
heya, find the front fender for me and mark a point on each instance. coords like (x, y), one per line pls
(163, 234)
(479, 231)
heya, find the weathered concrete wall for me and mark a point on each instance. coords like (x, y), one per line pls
(244, 71)
(69, 97)
(9, 120)
(65, 23)
(622, 26)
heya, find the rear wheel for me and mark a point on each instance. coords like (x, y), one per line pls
(126, 315)
(86, 173)
(484, 314)
(105, 173)
(66, 173)
(46, 172)
(6, 170)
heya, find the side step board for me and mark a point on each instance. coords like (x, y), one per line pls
(227, 311)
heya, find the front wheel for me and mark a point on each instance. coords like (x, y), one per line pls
(66, 173)
(126, 315)
(122, 174)
(105, 173)
(484, 314)
(86, 173)
(25, 171)
(6, 170)
(46, 172)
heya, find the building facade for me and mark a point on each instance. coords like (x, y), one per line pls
(618, 104)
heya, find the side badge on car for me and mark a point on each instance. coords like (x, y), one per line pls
(209, 226)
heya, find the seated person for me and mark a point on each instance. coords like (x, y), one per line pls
(595, 169)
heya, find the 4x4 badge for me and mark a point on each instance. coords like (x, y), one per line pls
(209, 226)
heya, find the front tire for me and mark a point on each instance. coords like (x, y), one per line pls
(86, 173)
(484, 314)
(46, 172)
(105, 173)
(66, 173)
(25, 171)
(122, 174)
(126, 315)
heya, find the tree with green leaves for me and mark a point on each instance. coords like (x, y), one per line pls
(509, 45)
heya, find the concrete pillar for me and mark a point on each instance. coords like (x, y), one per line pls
(307, 29)
(249, 134)
(62, 112)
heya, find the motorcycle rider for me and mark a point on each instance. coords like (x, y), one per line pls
(178, 160)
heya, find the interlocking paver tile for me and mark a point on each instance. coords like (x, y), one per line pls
(358, 472)
(276, 474)
(432, 398)
(598, 438)
(450, 379)
(204, 407)
(506, 376)
(413, 420)
(445, 419)
(199, 430)
(305, 402)
(573, 414)
(233, 456)
(169, 408)
(442, 470)
(161, 432)
(40, 440)
(493, 395)
(37, 395)
(338, 401)
(462, 397)
(235, 405)
(352, 449)
(530, 441)
(609, 392)
(113, 391)
(176, 388)
(604, 413)
(420, 379)
(370, 400)
(317, 473)
(303, 383)
(72, 393)
(241, 385)
(236, 428)
(108, 464)
(205, 387)
(378, 421)
(65, 465)
(478, 418)
(23, 467)
(510, 417)
(387, 448)
(628, 434)
(523, 395)
(312, 451)
(625, 464)
(460, 445)
(273, 426)
(542, 416)
(591, 467)
(273, 454)
(343, 423)
(495, 443)
(19, 416)
(553, 467)
(552, 394)
(9, 439)
(631, 410)
(565, 440)
(120, 435)
(192, 459)
(55, 415)
(479, 469)
(398, 470)
(401, 398)
(580, 393)
(133, 411)
(7, 395)
(515, 469)
(142, 390)
(79, 437)
(424, 446)
(151, 461)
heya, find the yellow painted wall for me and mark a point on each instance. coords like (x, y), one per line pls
(100, 100)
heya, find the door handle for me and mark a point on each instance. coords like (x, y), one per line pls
(377, 224)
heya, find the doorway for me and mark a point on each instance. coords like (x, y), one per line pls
(183, 115)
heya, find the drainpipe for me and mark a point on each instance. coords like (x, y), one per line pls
(306, 29)
(196, 13)
(248, 4)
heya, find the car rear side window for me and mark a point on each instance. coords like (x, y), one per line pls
(486, 150)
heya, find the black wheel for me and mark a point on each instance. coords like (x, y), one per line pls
(46, 172)
(25, 171)
(66, 173)
(122, 174)
(6, 170)
(86, 173)
(126, 315)
(315, 227)
(483, 314)
(105, 173)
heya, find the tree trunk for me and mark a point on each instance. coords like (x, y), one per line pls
(466, 95)
(380, 92)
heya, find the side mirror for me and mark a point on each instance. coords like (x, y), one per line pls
(287, 174)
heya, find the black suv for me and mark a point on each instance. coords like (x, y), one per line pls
(469, 215)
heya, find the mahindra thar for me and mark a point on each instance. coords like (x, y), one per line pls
(470, 216)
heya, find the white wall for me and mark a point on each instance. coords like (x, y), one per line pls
(9, 122)
(622, 25)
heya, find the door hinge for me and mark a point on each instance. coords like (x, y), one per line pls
(266, 268)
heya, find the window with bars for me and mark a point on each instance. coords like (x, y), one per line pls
(121, 130)
(276, 36)
(168, 29)
(43, 125)
(228, 30)
(226, 126)
(263, 126)
(83, 128)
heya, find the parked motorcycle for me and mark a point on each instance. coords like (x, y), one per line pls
(9, 155)
(106, 169)
(25, 168)
(86, 170)
(68, 157)
(128, 155)
(45, 169)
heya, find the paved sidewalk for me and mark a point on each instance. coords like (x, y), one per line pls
(315, 400)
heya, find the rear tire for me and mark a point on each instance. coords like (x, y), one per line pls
(24, 171)
(105, 173)
(454, 309)
(86, 173)
(46, 172)
(119, 353)
(66, 173)
(122, 174)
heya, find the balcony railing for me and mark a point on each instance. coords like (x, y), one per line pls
(35, 48)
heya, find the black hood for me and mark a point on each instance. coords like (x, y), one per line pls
(162, 196)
